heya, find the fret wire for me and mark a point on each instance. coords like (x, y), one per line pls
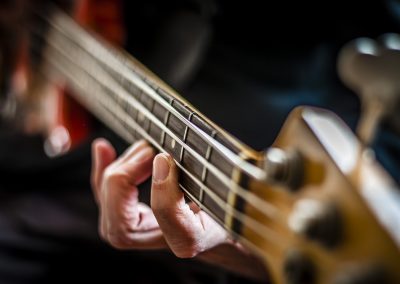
(257, 227)
(185, 137)
(138, 113)
(166, 118)
(151, 110)
(201, 194)
(204, 173)
(109, 56)
(261, 205)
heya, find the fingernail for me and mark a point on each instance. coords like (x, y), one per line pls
(141, 156)
(160, 168)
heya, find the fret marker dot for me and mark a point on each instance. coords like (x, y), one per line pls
(173, 143)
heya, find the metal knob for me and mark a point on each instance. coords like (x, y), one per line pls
(317, 221)
(284, 167)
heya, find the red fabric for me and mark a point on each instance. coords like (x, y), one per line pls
(105, 18)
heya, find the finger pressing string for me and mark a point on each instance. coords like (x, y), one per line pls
(186, 232)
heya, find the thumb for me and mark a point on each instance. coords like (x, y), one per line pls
(103, 154)
(165, 192)
(186, 232)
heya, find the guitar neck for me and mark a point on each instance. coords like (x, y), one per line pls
(215, 168)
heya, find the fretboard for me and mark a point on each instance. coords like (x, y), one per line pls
(214, 167)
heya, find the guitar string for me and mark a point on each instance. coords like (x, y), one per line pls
(247, 196)
(125, 68)
(83, 85)
(118, 127)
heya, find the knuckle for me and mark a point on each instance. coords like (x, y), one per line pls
(113, 178)
(109, 172)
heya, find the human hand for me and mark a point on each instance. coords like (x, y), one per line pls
(191, 232)
(182, 227)
(187, 230)
(124, 222)
(127, 223)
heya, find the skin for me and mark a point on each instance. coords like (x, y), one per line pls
(170, 223)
